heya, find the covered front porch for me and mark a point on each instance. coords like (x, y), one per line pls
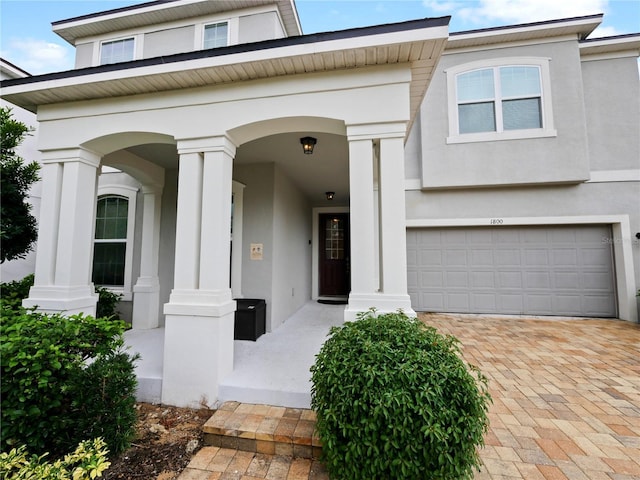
(273, 370)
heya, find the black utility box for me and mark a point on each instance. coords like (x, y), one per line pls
(250, 320)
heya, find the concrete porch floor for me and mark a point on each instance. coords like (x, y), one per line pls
(273, 370)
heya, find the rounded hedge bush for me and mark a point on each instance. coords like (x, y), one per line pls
(395, 400)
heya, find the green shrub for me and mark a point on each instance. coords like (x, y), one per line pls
(88, 461)
(107, 303)
(12, 293)
(394, 400)
(64, 379)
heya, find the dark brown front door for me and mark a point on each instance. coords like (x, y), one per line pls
(334, 254)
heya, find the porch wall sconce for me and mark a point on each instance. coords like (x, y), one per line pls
(329, 195)
(307, 144)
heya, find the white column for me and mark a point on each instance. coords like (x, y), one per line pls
(393, 246)
(362, 225)
(65, 236)
(387, 223)
(393, 230)
(146, 292)
(198, 348)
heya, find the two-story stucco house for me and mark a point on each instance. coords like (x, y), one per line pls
(396, 166)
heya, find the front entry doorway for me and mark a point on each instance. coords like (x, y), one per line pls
(334, 255)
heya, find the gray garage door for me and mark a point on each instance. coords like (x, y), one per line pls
(565, 270)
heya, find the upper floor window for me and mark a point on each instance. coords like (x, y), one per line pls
(490, 100)
(216, 35)
(117, 51)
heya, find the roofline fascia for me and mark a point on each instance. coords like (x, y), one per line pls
(238, 49)
(531, 25)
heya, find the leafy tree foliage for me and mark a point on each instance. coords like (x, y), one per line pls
(18, 229)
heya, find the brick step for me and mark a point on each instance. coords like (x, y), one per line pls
(264, 429)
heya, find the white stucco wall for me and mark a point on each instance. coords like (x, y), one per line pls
(257, 228)
(563, 158)
(291, 279)
(612, 104)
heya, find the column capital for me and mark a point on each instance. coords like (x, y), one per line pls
(78, 154)
(220, 143)
(373, 131)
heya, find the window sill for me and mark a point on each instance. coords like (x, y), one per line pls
(499, 136)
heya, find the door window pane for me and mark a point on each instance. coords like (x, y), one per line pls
(334, 239)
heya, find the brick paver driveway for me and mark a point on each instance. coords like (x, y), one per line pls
(566, 395)
(566, 403)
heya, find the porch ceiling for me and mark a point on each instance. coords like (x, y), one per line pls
(418, 43)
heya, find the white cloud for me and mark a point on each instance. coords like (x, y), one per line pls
(526, 11)
(442, 6)
(38, 56)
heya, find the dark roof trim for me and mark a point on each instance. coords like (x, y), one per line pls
(241, 48)
(4, 60)
(532, 24)
(612, 37)
(110, 12)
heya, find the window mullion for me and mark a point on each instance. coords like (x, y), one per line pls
(498, 99)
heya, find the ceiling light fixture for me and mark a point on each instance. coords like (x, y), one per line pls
(307, 144)
(329, 195)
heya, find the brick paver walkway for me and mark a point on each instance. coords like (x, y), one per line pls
(566, 404)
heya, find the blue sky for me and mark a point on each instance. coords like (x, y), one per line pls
(27, 41)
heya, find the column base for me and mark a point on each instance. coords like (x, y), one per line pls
(383, 303)
(61, 299)
(146, 304)
(198, 354)
(198, 346)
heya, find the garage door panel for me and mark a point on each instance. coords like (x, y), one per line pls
(597, 257)
(596, 281)
(598, 304)
(512, 304)
(538, 304)
(482, 280)
(559, 270)
(458, 301)
(482, 257)
(536, 256)
(564, 256)
(432, 279)
(509, 257)
(510, 280)
(457, 279)
(566, 280)
(484, 301)
(533, 280)
(430, 257)
(457, 257)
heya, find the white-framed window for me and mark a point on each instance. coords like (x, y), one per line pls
(499, 99)
(216, 35)
(115, 51)
(113, 242)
